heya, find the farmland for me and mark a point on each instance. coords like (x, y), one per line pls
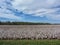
(29, 32)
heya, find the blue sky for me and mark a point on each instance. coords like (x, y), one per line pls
(30, 10)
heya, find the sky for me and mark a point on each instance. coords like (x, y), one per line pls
(30, 10)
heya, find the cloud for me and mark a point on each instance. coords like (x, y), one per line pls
(48, 8)
(10, 9)
(9, 16)
(5, 13)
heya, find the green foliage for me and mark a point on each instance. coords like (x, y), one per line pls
(29, 42)
(22, 23)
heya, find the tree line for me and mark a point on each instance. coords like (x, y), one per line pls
(22, 23)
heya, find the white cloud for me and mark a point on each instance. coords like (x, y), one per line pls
(34, 4)
(5, 13)
(54, 17)
(9, 16)
(21, 4)
(38, 7)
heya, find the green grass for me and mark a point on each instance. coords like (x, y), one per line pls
(29, 42)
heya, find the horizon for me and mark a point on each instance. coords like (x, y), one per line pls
(45, 11)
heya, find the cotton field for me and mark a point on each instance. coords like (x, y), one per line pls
(29, 32)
